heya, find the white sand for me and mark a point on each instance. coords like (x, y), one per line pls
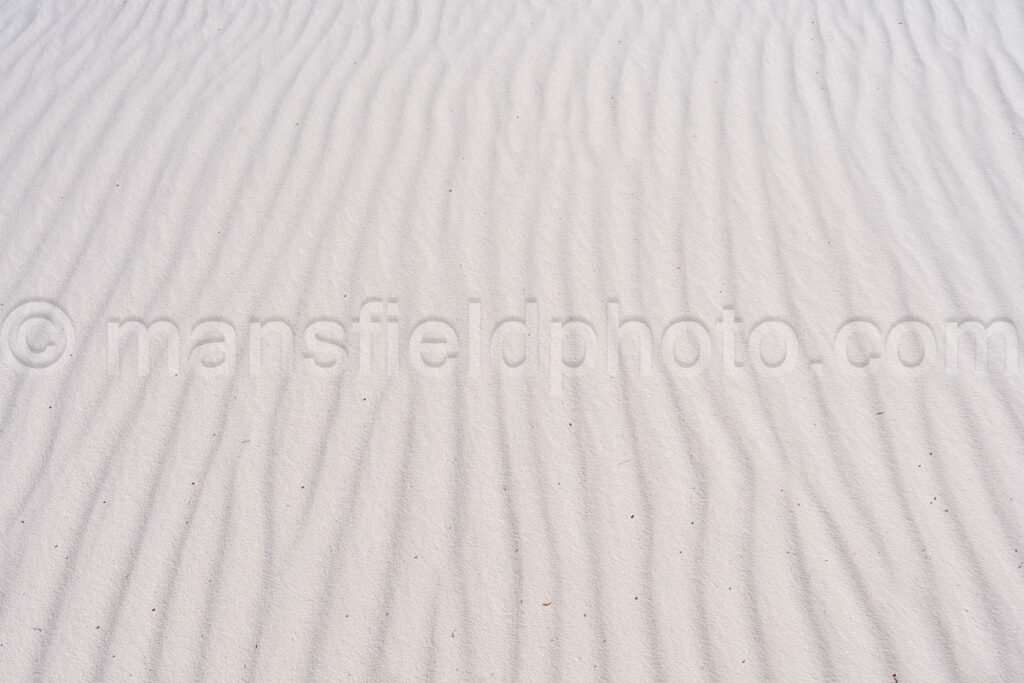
(810, 162)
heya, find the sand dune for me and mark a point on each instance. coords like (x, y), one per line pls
(421, 511)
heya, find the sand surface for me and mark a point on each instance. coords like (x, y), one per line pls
(391, 501)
